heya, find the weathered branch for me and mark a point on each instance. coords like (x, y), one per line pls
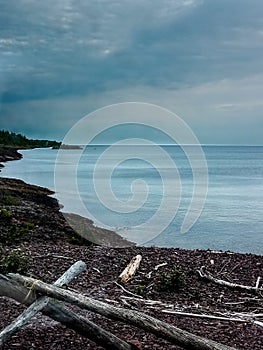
(156, 268)
(175, 335)
(127, 291)
(60, 313)
(234, 317)
(40, 303)
(259, 323)
(54, 256)
(220, 282)
(148, 301)
(212, 317)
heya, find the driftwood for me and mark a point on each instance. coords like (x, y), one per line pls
(127, 291)
(60, 313)
(232, 317)
(40, 303)
(209, 277)
(130, 269)
(173, 334)
(149, 302)
(212, 317)
(156, 268)
(54, 256)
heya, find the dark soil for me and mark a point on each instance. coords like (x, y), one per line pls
(31, 222)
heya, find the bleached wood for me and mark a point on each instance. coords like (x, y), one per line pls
(175, 335)
(22, 319)
(130, 269)
(212, 317)
(60, 313)
(40, 303)
(258, 281)
(54, 256)
(156, 268)
(127, 291)
(209, 277)
(70, 274)
(235, 317)
(148, 301)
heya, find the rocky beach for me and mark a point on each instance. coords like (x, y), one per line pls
(32, 224)
(7, 154)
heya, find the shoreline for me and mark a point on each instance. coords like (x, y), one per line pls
(32, 224)
(33, 206)
(9, 154)
(76, 220)
(86, 227)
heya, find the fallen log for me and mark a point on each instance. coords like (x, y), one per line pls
(220, 282)
(130, 269)
(40, 303)
(60, 313)
(175, 335)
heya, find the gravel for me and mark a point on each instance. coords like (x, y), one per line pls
(50, 252)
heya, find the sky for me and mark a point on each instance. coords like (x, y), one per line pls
(201, 59)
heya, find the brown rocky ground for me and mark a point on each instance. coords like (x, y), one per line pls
(7, 153)
(30, 214)
(30, 221)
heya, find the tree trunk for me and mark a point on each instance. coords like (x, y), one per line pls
(40, 303)
(161, 329)
(59, 313)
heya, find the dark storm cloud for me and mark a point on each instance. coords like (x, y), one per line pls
(66, 49)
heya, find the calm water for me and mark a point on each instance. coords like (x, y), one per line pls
(232, 218)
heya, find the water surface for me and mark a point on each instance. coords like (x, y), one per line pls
(232, 218)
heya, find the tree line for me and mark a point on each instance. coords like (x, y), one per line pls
(11, 139)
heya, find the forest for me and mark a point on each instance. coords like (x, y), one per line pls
(11, 139)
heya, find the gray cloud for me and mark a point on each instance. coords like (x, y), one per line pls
(78, 50)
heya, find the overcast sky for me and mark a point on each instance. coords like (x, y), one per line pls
(202, 59)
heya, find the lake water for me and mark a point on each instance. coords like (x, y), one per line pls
(232, 217)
